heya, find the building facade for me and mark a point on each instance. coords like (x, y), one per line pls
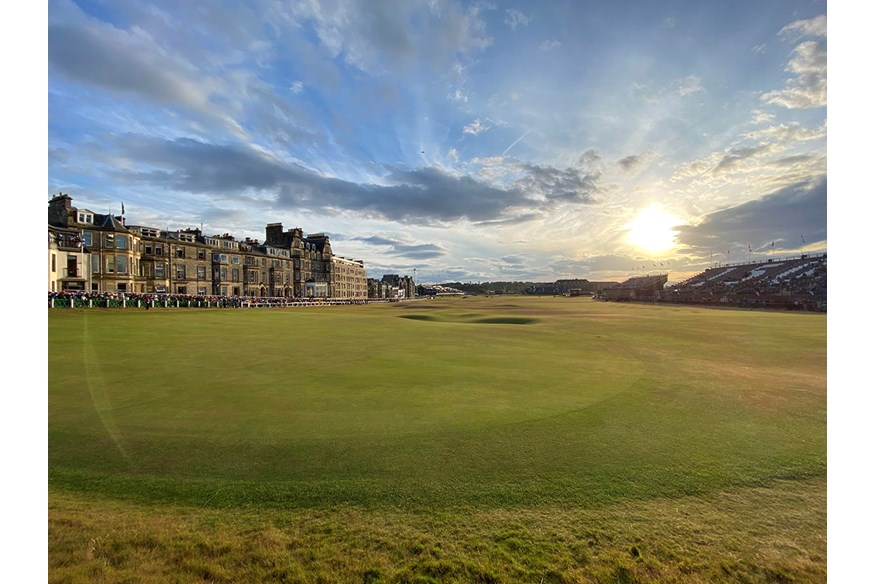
(92, 252)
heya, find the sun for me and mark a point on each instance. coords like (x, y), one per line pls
(652, 230)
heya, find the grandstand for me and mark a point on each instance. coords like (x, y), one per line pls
(793, 283)
(638, 288)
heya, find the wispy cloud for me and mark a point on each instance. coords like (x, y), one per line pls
(515, 18)
(688, 85)
(808, 86)
(476, 127)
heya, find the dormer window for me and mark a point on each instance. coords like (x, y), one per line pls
(86, 217)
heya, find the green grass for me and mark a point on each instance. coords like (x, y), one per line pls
(454, 408)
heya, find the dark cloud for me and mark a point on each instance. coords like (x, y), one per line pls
(554, 184)
(590, 159)
(734, 157)
(514, 260)
(793, 160)
(525, 218)
(427, 194)
(783, 216)
(634, 162)
(401, 248)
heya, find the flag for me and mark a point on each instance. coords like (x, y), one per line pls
(728, 252)
(801, 237)
(123, 208)
(749, 249)
(773, 244)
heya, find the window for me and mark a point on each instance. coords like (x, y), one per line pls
(109, 240)
(235, 259)
(86, 238)
(122, 264)
(180, 252)
(159, 270)
(202, 273)
(159, 249)
(223, 274)
(180, 289)
(235, 275)
(202, 290)
(122, 287)
(202, 254)
(122, 242)
(180, 272)
(54, 267)
(95, 264)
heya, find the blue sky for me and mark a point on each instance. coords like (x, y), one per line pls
(467, 140)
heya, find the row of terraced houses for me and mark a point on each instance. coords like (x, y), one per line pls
(101, 253)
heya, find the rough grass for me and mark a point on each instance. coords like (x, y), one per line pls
(754, 534)
(434, 427)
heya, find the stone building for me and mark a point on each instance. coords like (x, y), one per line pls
(406, 286)
(349, 279)
(69, 267)
(99, 253)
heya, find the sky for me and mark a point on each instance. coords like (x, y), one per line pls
(469, 141)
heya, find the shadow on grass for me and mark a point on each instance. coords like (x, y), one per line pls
(487, 320)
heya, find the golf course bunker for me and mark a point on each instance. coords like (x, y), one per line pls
(466, 319)
(505, 320)
(427, 317)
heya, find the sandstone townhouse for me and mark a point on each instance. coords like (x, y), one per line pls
(94, 252)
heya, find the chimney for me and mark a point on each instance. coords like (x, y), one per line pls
(274, 233)
(60, 210)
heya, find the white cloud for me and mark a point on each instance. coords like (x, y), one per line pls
(814, 27)
(761, 117)
(459, 95)
(808, 86)
(688, 85)
(549, 45)
(787, 133)
(515, 18)
(759, 49)
(476, 127)
(296, 87)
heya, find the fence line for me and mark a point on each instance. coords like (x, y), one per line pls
(63, 301)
